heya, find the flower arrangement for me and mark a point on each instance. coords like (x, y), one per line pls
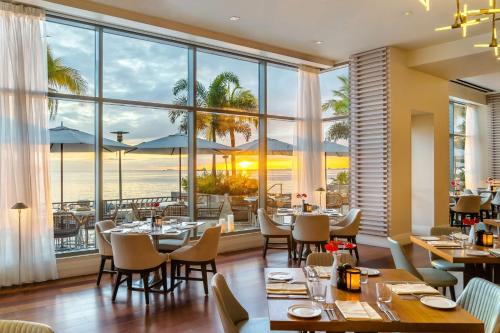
(334, 246)
(302, 196)
(470, 222)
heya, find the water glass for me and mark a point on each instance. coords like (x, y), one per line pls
(384, 292)
(311, 274)
(364, 276)
(318, 291)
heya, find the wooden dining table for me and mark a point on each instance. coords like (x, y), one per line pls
(414, 316)
(486, 267)
(491, 223)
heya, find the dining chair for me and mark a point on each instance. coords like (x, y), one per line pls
(104, 247)
(467, 191)
(233, 316)
(326, 259)
(438, 262)
(19, 326)
(495, 206)
(467, 205)
(272, 230)
(481, 298)
(311, 230)
(201, 254)
(333, 200)
(170, 243)
(348, 228)
(66, 226)
(485, 208)
(434, 277)
(136, 254)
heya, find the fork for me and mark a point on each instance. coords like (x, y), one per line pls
(330, 308)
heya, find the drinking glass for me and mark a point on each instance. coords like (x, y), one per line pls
(318, 291)
(364, 276)
(311, 274)
(384, 292)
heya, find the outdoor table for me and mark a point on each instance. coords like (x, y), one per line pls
(414, 316)
(487, 267)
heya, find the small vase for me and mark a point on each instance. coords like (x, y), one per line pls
(472, 234)
(333, 275)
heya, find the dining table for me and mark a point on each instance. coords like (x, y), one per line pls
(413, 315)
(492, 224)
(478, 260)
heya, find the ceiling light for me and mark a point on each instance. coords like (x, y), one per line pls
(234, 18)
(408, 13)
(319, 42)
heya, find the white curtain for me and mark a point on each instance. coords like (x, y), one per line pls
(28, 255)
(473, 161)
(309, 164)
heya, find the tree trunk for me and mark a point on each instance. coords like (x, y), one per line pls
(233, 158)
(214, 161)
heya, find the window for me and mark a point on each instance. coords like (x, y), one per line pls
(282, 86)
(457, 143)
(335, 105)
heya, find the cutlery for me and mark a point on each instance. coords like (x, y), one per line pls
(325, 308)
(282, 296)
(383, 309)
(330, 307)
(392, 313)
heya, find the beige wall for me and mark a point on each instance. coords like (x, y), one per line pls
(415, 92)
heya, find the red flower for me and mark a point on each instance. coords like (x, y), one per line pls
(304, 195)
(467, 221)
(333, 246)
(348, 246)
(453, 183)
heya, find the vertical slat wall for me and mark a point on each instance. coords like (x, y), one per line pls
(494, 104)
(370, 151)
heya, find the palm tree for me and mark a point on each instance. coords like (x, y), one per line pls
(223, 92)
(339, 104)
(62, 77)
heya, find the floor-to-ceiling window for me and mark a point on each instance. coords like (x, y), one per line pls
(457, 113)
(336, 131)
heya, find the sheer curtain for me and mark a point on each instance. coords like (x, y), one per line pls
(308, 161)
(27, 256)
(472, 153)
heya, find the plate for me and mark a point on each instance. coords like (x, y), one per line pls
(304, 311)
(476, 253)
(280, 276)
(371, 271)
(430, 238)
(438, 302)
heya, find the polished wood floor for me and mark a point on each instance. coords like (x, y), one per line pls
(78, 305)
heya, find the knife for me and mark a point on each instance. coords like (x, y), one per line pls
(384, 310)
(392, 313)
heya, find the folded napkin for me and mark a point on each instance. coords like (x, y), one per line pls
(356, 310)
(444, 243)
(459, 235)
(323, 271)
(287, 288)
(413, 288)
(495, 252)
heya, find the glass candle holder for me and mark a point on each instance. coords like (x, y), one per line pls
(353, 279)
(488, 239)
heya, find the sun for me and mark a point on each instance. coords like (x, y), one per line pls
(245, 164)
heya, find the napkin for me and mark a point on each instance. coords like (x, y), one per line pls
(287, 288)
(413, 288)
(444, 243)
(323, 271)
(459, 235)
(356, 310)
(495, 252)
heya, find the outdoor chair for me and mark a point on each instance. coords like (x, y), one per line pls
(66, 227)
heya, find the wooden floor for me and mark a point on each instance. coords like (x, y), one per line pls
(78, 305)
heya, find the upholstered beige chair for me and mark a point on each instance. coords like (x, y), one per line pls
(104, 246)
(272, 230)
(434, 277)
(199, 254)
(311, 230)
(135, 253)
(233, 316)
(467, 205)
(438, 262)
(348, 228)
(18, 326)
(326, 259)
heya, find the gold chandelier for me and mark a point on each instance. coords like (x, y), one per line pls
(465, 18)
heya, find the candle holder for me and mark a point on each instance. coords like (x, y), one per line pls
(487, 239)
(479, 237)
(353, 279)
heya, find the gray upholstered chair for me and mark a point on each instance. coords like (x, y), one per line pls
(348, 228)
(104, 246)
(481, 298)
(467, 191)
(136, 254)
(326, 259)
(438, 262)
(18, 326)
(311, 229)
(495, 206)
(485, 208)
(169, 243)
(201, 254)
(432, 276)
(467, 205)
(272, 230)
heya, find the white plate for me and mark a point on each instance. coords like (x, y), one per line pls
(430, 238)
(438, 302)
(304, 311)
(371, 271)
(476, 253)
(280, 276)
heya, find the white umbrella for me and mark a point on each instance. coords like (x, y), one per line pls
(67, 139)
(274, 147)
(178, 144)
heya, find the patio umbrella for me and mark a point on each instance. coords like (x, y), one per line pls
(178, 144)
(67, 139)
(335, 149)
(274, 147)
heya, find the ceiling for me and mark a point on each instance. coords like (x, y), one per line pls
(490, 81)
(345, 26)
